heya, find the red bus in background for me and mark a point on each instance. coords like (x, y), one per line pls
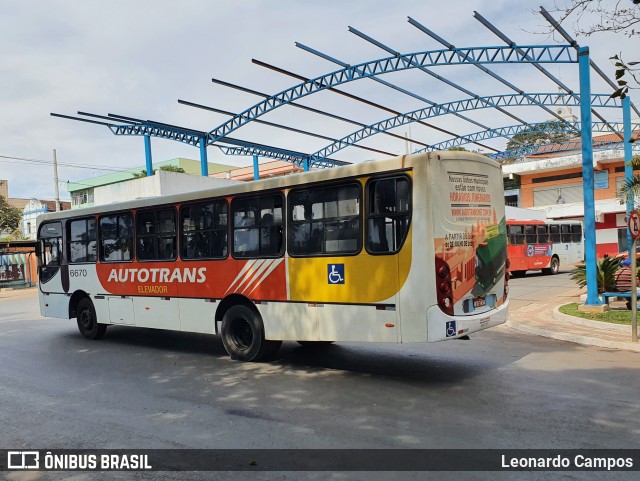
(545, 245)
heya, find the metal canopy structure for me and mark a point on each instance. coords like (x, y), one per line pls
(429, 113)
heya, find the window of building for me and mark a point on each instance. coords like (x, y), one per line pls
(388, 214)
(82, 243)
(622, 239)
(554, 233)
(325, 220)
(258, 226)
(116, 238)
(516, 234)
(204, 230)
(156, 235)
(82, 197)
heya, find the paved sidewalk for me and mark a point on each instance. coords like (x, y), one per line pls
(543, 319)
(7, 293)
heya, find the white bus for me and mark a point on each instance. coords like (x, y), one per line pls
(409, 249)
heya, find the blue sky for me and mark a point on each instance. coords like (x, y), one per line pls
(138, 58)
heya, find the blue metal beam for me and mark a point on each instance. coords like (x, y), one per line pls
(544, 71)
(520, 152)
(628, 157)
(459, 106)
(280, 126)
(574, 44)
(386, 84)
(458, 56)
(304, 107)
(507, 131)
(588, 179)
(428, 71)
(147, 155)
(485, 69)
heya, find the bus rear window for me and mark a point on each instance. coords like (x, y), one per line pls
(516, 235)
(576, 233)
(388, 214)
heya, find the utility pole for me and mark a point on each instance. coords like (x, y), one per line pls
(55, 179)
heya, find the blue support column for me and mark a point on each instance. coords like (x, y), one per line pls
(147, 154)
(256, 168)
(587, 176)
(306, 164)
(204, 164)
(628, 155)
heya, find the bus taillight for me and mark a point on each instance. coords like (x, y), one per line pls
(444, 289)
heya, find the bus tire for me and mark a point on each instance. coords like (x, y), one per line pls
(88, 323)
(315, 343)
(554, 267)
(242, 333)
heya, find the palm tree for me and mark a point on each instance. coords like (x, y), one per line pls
(631, 189)
(606, 269)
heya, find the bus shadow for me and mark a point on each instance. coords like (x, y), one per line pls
(424, 363)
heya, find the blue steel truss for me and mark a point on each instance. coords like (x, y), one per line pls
(458, 56)
(519, 152)
(162, 132)
(599, 100)
(534, 128)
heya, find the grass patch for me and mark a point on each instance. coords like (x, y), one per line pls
(614, 316)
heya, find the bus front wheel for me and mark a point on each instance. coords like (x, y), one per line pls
(88, 321)
(242, 335)
(554, 267)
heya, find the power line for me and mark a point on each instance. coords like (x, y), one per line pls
(16, 160)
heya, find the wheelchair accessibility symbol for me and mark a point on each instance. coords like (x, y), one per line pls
(451, 328)
(335, 273)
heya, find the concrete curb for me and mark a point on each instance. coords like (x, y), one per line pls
(607, 326)
(575, 338)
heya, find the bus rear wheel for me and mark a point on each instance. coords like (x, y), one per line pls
(242, 335)
(88, 323)
(554, 267)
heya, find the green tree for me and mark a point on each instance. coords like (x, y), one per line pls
(460, 149)
(9, 216)
(531, 135)
(167, 168)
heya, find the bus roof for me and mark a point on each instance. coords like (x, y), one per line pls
(288, 181)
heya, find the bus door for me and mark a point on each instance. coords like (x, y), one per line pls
(53, 271)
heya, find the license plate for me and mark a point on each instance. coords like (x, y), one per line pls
(479, 302)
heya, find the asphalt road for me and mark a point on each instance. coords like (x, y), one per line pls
(142, 388)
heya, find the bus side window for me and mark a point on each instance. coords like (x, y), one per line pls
(388, 214)
(325, 220)
(116, 238)
(554, 231)
(530, 234)
(258, 227)
(203, 230)
(576, 233)
(566, 233)
(543, 236)
(516, 235)
(82, 245)
(156, 235)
